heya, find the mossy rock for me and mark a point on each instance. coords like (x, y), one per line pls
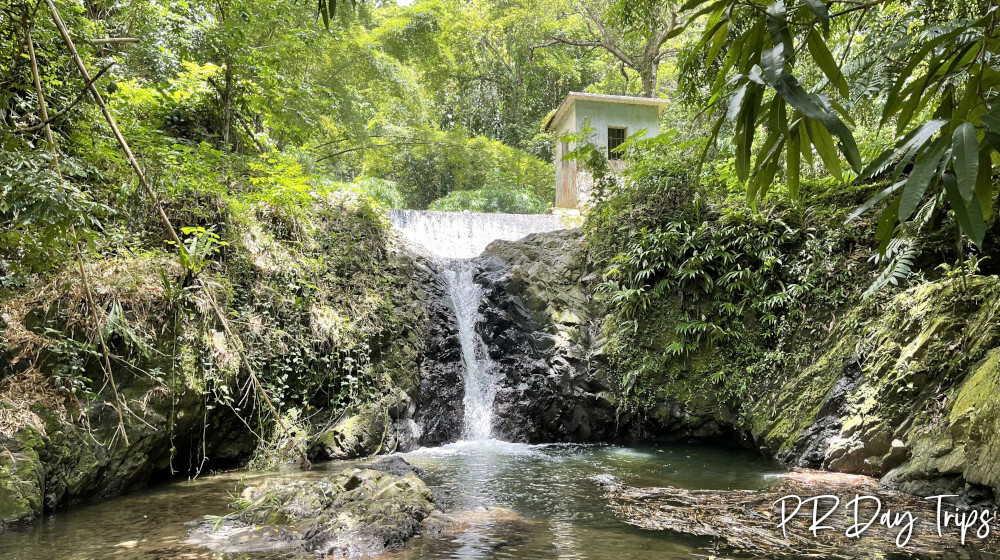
(368, 431)
(356, 513)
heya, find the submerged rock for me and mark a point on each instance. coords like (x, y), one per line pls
(355, 514)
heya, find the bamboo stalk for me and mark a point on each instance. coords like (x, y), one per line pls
(43, 109)
(57, 19)
(113, 40)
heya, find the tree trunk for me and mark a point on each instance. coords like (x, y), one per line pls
(647, 73)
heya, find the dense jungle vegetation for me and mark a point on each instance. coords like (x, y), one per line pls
(814, 153)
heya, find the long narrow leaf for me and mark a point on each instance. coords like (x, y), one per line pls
(925, 168)
(875, 200)
(824, 59)
(965, 159)
(969, 216)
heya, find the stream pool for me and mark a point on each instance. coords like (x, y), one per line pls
(514, 501)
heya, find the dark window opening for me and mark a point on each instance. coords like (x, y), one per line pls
(616, 137)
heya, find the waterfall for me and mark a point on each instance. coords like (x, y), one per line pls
(456, 238)
(480, 383)
(464, 235)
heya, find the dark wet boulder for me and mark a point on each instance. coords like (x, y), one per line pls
(394, 464)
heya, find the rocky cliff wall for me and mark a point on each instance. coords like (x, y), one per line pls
(905, 390)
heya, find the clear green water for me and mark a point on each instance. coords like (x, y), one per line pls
(515, 501)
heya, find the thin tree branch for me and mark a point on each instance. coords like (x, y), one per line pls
(859, 7)
(43, 109)
(113, 40)
(46, 121)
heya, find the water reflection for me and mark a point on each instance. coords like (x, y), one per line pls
(559, 510)
(510, 501)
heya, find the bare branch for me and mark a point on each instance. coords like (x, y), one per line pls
(113, 40)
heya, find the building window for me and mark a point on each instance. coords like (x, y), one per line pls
(616, 137)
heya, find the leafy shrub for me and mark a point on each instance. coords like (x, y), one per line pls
(38, 208)
(384, 193)
(443, 162)
(492, 199)
(702, 288)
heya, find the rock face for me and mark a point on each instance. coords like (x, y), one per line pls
(540, 330)
(425, 405)
(907, 392)
(355, 514)
(52, 461)
(58, 449)
(439, 410)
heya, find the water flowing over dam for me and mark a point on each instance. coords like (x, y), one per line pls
(464, 235)
(456, 238)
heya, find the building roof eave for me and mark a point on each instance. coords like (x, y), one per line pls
(575, 96)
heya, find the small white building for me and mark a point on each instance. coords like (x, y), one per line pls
(612, 118)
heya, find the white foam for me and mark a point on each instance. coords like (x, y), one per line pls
(480, 447)
(464, 235)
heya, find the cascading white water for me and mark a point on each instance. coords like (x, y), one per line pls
(464, 235)
(480, 385)
(457, 237)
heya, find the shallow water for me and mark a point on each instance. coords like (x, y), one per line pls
(521, 501)
(561, 511)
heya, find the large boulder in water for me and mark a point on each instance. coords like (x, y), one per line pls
(355, 514)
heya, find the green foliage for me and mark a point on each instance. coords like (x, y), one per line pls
(39, 206)
(774, 71)
(443, 163)
(700, 288)
(509, 200)
(199, 246)
(384, 193)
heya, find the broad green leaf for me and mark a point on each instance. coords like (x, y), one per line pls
(736, 102)
(805, 142)
(692, 4)
(886, 225)
(925, 169)
(773, 62)
(819, 8)
(823, 142)
(965, 159)
(992, 118)
(718, 40)
(969, 216)
(824, 59)
(325, 12)
(777, 25)
(993, 139)
(984, 182)
(746, 128)
(767, 168)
